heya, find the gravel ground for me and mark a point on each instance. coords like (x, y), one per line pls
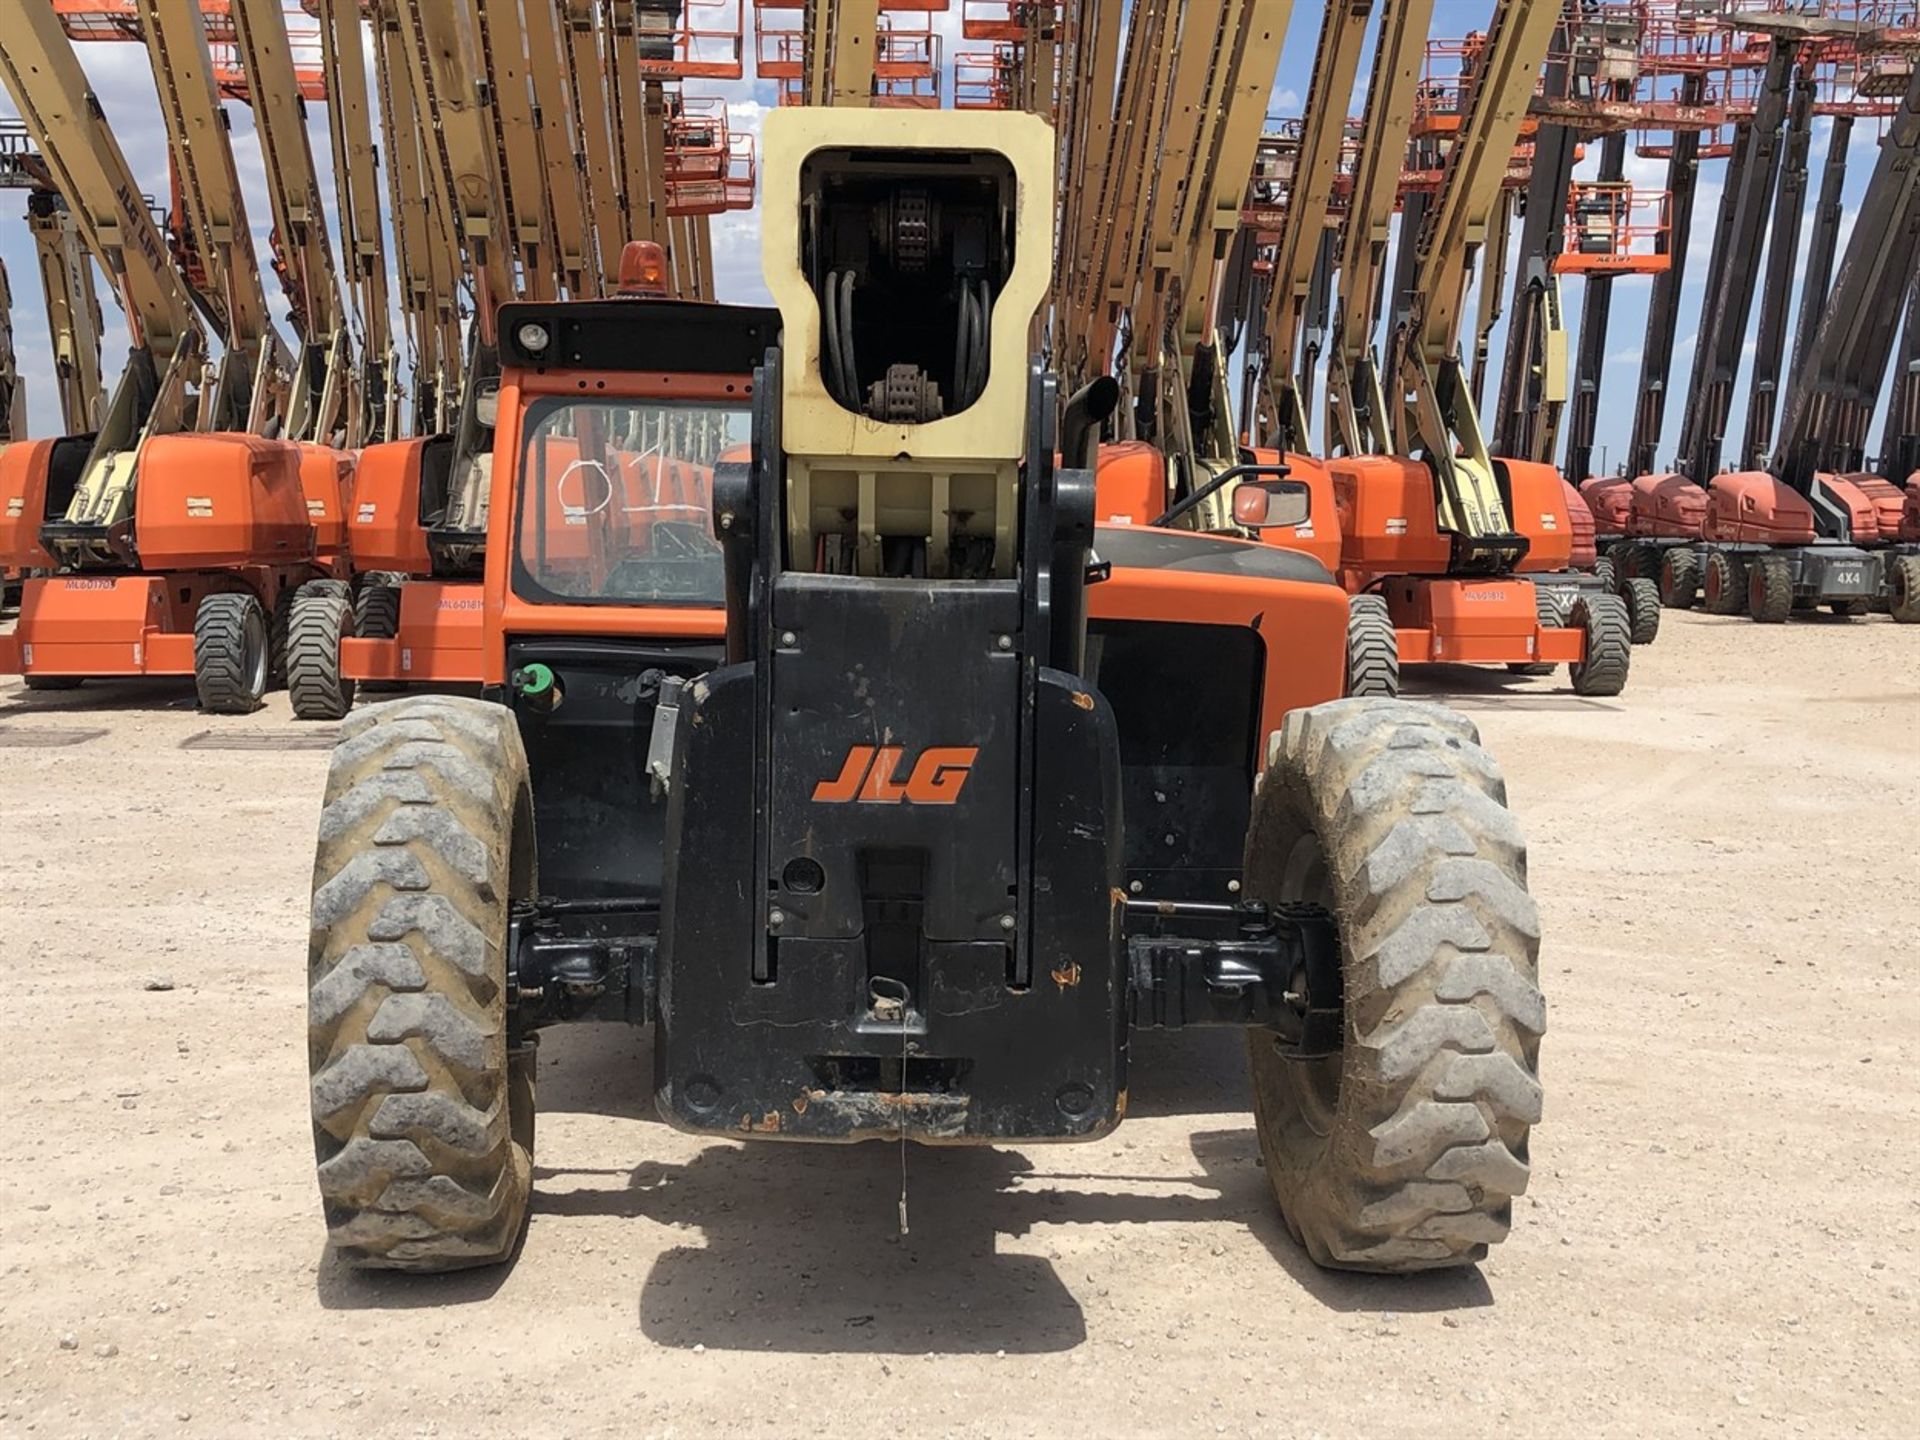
(1723, 1234)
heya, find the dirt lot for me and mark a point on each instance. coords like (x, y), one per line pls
(1723, 1233)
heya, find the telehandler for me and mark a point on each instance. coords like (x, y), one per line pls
(889, 790)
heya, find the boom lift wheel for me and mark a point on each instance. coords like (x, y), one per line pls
(1769, 589)
(230, 653)
(1724, 590)
(1606, 574)
(1849, 609)
(1905, 606)
(1679, 578)
(322, 617)
(51, 682)
(1643, 610)
(1402, 1148)
(376, 616)
(1373, 649)
(1550, 609)
(422, 1119)
(1609, 632)
(282, 626)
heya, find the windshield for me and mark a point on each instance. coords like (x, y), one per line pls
(616, 500)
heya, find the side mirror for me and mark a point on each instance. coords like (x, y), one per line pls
(1258, 504)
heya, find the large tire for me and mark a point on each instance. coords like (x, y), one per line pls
(1643, 610)
(1605, 572)
(1639, 561)
(1849, 609)
(422, 1119)
(376, 616)
(52, 682)
(1550, 609)
(1769, 589)
(322, 618)
(1725, 586)
(1373, 648)
(1609, 648)
(1679, 579)
(1404, 1150)
(1905, 603)
(231, 653)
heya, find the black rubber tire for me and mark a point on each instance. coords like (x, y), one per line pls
(1549, 607)
(1609, 647)
(1904, 604)
(1404, 1151)
(422, 1120)
(1643, 609)
(1849, 609)
(322, 618)
(1724, 586)
(283, 623)
(1606, 573)
(1769, 589)
(1679, 587)
(1638, 561)
(52, 682)
(231, 659)
(1373, 648)
(376, 616)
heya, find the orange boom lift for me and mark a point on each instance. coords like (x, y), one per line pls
(1429, 519)
(176, 532)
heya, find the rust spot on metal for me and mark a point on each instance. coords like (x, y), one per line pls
(1119, 897)
(1068, 975)
(1120, 1106)
(768, 1124)
(1083, 699)
(800, 1103)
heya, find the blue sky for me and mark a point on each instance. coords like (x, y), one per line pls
(124, 83)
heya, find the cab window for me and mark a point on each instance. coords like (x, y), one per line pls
(615, 500)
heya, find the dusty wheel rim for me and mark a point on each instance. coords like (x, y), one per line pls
(1304, 878)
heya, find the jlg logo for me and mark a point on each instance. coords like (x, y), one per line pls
(871, 775)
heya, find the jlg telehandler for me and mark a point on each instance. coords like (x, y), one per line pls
(892, 792)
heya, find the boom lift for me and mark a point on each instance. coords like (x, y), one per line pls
(420, 523)
(1668, 509)
(376, 396)
(929, 906)
(176, 532)
(1432, 522)
(1277, 379)
(1590, 76)
(426, 252)
(419, 511)
(1700, 525)
(66, 282)
(323, 379)
(1356, 400)
(1807, 529)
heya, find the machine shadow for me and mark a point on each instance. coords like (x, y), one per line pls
(103, 697)
(338, 1286)
(799, 1246)
(1480, 687)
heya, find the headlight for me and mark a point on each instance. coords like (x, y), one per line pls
(534, 338)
